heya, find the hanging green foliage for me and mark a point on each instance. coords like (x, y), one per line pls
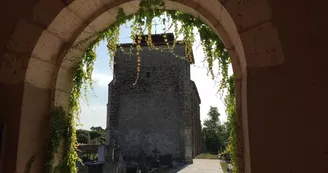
(57, 130)
(184, 24)
(230, 101)
(68, 163)
(62, 131)
(62, 126)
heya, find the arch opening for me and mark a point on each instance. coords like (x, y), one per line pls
(72, 25)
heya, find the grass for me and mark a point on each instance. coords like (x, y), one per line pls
(224, 167)
(207, 156)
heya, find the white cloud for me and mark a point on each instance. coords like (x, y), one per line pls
(95, 112)
(93, 115)
(101, 80)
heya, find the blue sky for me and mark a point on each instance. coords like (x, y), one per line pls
(94, 113)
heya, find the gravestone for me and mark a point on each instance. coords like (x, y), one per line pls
(114, 162)
(155, 162)
(142, 162)
(166, 160)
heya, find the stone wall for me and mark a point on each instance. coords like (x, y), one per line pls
(148, 121)
(195, 118)
(150, 113)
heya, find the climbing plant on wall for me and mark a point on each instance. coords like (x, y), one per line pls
(62, 126)
(230, 101)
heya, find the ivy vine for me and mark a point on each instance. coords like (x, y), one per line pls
(230, 101)
(57, 130)
(62, 126)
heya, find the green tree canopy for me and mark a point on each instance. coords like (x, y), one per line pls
(97, 129)
(83, 136)
(96, 135)
(215, 134)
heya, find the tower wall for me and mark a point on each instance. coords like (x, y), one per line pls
(149, 113)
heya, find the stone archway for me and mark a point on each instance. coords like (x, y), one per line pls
(39, 62)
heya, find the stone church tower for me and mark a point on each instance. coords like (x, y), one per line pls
(161, 110)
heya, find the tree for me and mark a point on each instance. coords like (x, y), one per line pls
(215, 134)
(225, 130)
(98, 135)
(95, 134)
(83, 136)
(97, 129)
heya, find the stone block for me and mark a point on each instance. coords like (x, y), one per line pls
(85, 9)
(40, 73)
(48, 47)
(86, 37)
(103, 21)
(45, 11)
(229, 27)
(209, 13)
(65, 25)
(247, 14)
(13, 68)
(239, 49)
(72, 58)
(62, 99)
(113, 3)
(128, 8)
(238, 60)
(64, 80)
(183, 8)
(262, 46)
(22, 42)
(208, 18)
(213, 6)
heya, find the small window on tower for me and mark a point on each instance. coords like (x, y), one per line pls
(148, 74)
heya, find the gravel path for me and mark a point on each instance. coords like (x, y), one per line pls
(201, 166)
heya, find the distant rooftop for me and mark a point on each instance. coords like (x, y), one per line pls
(157, 39)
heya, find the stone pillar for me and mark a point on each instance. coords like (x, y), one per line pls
(199, 131)
(192, 124)
(108, 112)
(112, 122)
(199, 135)
(184, 93)
(195, 124)
(113, 107)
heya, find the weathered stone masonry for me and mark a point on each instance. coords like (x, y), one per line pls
(161, 110)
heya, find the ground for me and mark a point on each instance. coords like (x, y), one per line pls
(200, 166)
(203, 166)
